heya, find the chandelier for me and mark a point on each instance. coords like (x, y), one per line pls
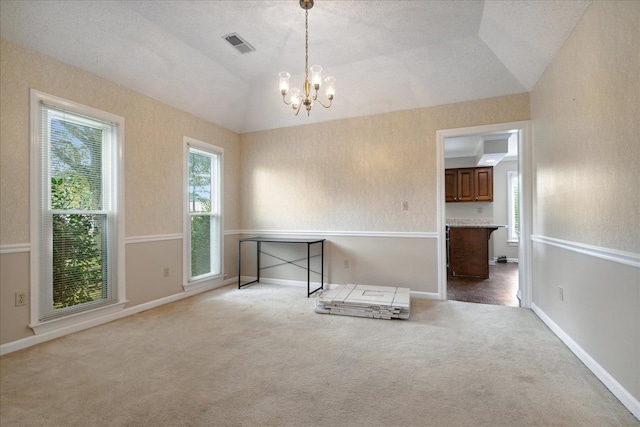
(297, 99)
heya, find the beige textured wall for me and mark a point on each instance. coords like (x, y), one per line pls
(585, 120)
(346, 175)
(586, 130)
(14, 277)
(353, 174)
(153, 175)
(153, 144)
(145, 263)
(385, 261)
(600, 310)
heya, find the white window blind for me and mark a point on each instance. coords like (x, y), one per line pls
(513, 206)
(78, 207)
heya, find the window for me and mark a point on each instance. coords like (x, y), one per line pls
(513, 221)
(76, 224)
(203, 218)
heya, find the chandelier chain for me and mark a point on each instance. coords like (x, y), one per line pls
(306, 43)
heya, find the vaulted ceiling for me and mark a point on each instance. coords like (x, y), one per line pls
(385, 55)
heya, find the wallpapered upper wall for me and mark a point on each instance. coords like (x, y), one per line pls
(350, 175)
(153, 144)
(586, 125)
(354, 174)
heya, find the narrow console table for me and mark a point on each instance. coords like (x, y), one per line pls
(260, 240)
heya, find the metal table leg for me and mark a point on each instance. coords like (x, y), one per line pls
(239, 262)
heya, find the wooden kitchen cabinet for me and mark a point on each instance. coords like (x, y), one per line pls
(483, 184)
(469, 185)
(451, 185)
(468, 249)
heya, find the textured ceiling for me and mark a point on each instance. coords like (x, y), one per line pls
(385, 55)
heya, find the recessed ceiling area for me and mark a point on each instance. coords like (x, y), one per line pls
(488, 149)
(385, 55)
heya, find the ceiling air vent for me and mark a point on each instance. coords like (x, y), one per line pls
(237, 42)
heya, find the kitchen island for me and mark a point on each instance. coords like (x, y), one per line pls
(468, 249)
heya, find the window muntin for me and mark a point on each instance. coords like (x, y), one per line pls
(204, 249)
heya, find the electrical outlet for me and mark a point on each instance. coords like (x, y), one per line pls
(561, 293)
(21, 299)
(346, 263)
(166, 272)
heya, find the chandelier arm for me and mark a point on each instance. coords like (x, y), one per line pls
(298, 109)
(322, 103)
(284, 99)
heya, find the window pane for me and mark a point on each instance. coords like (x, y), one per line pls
(203, 210)
(75, 166)
(199, 183)
(516, 210)
(79, 259)
(200, 245)
(513, 200)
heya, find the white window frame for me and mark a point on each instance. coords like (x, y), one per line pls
(512, 236)
(192, 283)
(37, 284)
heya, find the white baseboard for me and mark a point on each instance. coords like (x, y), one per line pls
(415, 294)
(47, 336)
(630, 402)
(271, 281)
(495, 261)
(425, 295)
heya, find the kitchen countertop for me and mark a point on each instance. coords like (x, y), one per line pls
(476, 226)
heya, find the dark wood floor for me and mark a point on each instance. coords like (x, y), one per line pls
(499, 289)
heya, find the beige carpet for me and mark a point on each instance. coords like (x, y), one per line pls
(261, 356)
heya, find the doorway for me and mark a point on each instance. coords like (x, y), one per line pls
(474, 147)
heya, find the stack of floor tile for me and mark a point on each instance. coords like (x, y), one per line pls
(378, 302)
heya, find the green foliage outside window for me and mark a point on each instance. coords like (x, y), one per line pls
(200, 245)
(79, 267)
(200, 196)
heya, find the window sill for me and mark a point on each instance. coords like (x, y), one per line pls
(73, 320)
(204, 283)
(512, 242)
